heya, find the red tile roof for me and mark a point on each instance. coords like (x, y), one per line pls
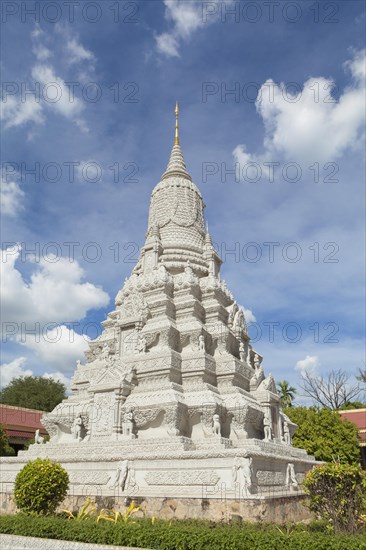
(21, 419)
(356, 416)
(19, 434)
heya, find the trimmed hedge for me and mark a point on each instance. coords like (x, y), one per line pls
(182, 535)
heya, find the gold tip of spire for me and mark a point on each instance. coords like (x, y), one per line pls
(176, 140)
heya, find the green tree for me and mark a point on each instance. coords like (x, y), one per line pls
(324, 434)
(5, 448)
(286, 393)
(353, 405)
(33, 392)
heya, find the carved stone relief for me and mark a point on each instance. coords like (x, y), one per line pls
(177, 477)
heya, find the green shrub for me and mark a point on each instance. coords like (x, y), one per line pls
(337, 494)
(40, 487)
(181, 535)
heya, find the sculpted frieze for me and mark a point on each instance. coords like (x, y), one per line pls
(178, 477)
(133, 307)
(88, 478)
(143, 416)
(270, 478)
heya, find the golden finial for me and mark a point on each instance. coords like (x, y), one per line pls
(176, 141)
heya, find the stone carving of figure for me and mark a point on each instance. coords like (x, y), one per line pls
(232, 313)
(242, 352)
(38, 438)
(201, 343)
(120, 476)
(131, 478)
(259, 374)
(188, 270)
(242, 473)
(239, 320)
(216, 424)
(163, 271)
(286, 433)
(78, 363)
(291, 480)
(267, 425)
(188, 273)
(235, 470)
(249, 357)
(142, 344)
(129, 374)
(78, 428)
(257, 362)
(128, 424)
(105, 351)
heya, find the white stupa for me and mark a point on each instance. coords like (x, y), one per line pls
(172, 400)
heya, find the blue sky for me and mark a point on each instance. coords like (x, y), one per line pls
(292, 130)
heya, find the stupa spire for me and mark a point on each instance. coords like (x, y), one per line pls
(176, 165)
(176, 140)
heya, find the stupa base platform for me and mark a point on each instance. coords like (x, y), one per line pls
(223, 473)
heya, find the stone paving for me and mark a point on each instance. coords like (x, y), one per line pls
(12, 542)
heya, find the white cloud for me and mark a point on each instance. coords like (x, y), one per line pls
(51, 92)
(37, 32)
(54, 293)
(59, 377)
(11, 197)
(58, 348)
(309, 364)
(186, 18)
(311, 125)
(167, 44)
(39, 48)
(53, 95)
(41, 52)
(15, 112)
(56, 95)
(357, 66)
(14, 369)
(249, 316)
(77, 52)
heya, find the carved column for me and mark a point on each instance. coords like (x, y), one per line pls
(117, 426)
